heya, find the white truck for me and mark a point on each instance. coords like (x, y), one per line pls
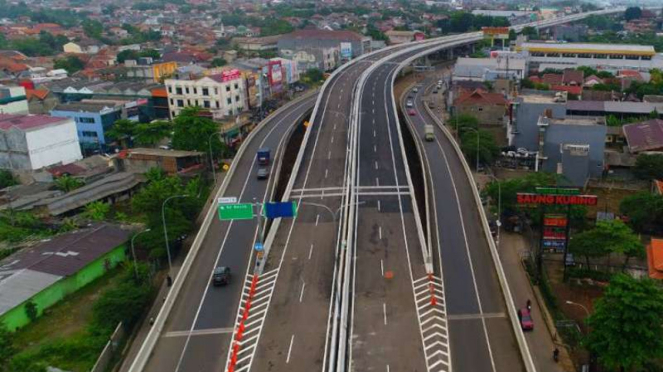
(429, 132)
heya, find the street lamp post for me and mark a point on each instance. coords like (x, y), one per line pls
(133, 251)
(165, 230)
(211, 160)
(580, 305)
(499, 207)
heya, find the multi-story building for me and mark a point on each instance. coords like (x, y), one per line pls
(609, 57)
(322, 49)
(13, 100)
(92, 120)
(146, 69)
(223, 94)
(30, 142)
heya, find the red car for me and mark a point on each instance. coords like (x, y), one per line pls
(411, 112)
(525, 318)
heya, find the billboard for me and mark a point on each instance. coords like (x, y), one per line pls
(418, 36)
(275, 74)
(346, 50)
(229, 75)
(528, 198)
(495, 32)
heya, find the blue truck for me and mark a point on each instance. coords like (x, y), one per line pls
(263, 156)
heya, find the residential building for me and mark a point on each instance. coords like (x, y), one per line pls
(608, 57)
(146, 69)
(173, 162)
(40, 101)
(317, 48)
(45, 274)
(510, 66)
(644, 136)
(573, 147)
(13, 100)
(257, 44)
(515, 17)
(402, 37)
(31, 142)
(488, 108)
(86, 46)
(223, 94)
(522, 130)
(92, 120)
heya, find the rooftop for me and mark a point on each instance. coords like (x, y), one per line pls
(28, 122)
(324, 35)
(589, 48)
(644, 136)
(82, 106)
(162, 153)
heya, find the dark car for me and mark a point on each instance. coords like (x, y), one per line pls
(262, 174)
(525, 318)
(221, 276)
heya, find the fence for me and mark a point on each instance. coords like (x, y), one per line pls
(110, 350)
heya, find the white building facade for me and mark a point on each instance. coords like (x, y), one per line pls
(31, 142)
(224, 94)
(13, 100)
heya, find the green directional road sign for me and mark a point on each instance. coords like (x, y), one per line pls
(557, 191)
(241, 211)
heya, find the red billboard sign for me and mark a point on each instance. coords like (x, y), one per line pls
(527, 198)
(230, 75)
(554, 220)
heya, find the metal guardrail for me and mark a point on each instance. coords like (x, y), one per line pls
(152, 337)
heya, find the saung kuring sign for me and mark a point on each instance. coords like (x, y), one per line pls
(527, 198)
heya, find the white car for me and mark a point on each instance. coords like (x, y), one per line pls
(409, 104)
(415, 90)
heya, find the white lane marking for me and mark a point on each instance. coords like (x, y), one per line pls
(378, 206)
(329, 155)
(376, 165)
(377, 181)
(382, 267)
(317, 219)
(301, 295)
(292, 340)
(338, 106)
(310, 251)
(375, 148)
(374, 133)
(380, 232)
(384, 311)
(326, 172)
(373, 121)
(199, 332)
(373, 111)
(332, 139)
(388, 370)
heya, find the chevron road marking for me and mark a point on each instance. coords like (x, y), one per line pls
(431, 311)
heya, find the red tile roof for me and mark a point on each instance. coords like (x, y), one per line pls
(36, 93)
(577, 90)
(572, 76)
(478, 97)
(27, 122)
(552, 79)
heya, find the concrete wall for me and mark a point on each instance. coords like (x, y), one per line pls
(54, 144)
(17, 317)
(14, 150)
(566, 134)
(487, 114)
(527, 116)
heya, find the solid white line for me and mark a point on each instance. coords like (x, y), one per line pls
(301, 295)
(384, 311)
(317, 219)
(292, 340)
(310, 251)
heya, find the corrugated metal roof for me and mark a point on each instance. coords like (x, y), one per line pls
(17, 286)
(587, 47)
(644, 136)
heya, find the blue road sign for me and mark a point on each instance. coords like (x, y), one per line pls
(280, 209)
(259, 247)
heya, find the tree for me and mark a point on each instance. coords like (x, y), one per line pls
(70, 63)
(193, 132)
(219, 62)
(644, 211)
(124, 303)
(649, 167)
(313, 75)
(31, 310)
(149, 134)
(126, 54)
(92, 28)
(625, 329)
(7, 179)
(530, 32)
(97, 210)
(462, 121)
(513, 35)
(122, 131)
(7, 349)
(67, 183)
(488, 150)
(632, 13)
(607, 237)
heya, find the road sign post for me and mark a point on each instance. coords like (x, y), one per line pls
(241, 211)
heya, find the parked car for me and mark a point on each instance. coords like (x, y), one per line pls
(221, 276)
(411, 112)
(262, 174)
(525, 318)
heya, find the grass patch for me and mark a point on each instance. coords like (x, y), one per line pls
(60, 337)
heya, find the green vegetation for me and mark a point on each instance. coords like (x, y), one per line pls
(607, 237)
(626, 326)
(72, 64)
(632, 13)
(274, 26)
(219, 62)
(134, 54)
(67, 183)
(7, 179)
(97, 211)
(44, 45)
(649, 167)
(644, 211)
(142, 134)
(73, 341)
(463, 22)
(193, 132)
(92, 29)
(17, 226)
(468, 129)
(313, 76)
